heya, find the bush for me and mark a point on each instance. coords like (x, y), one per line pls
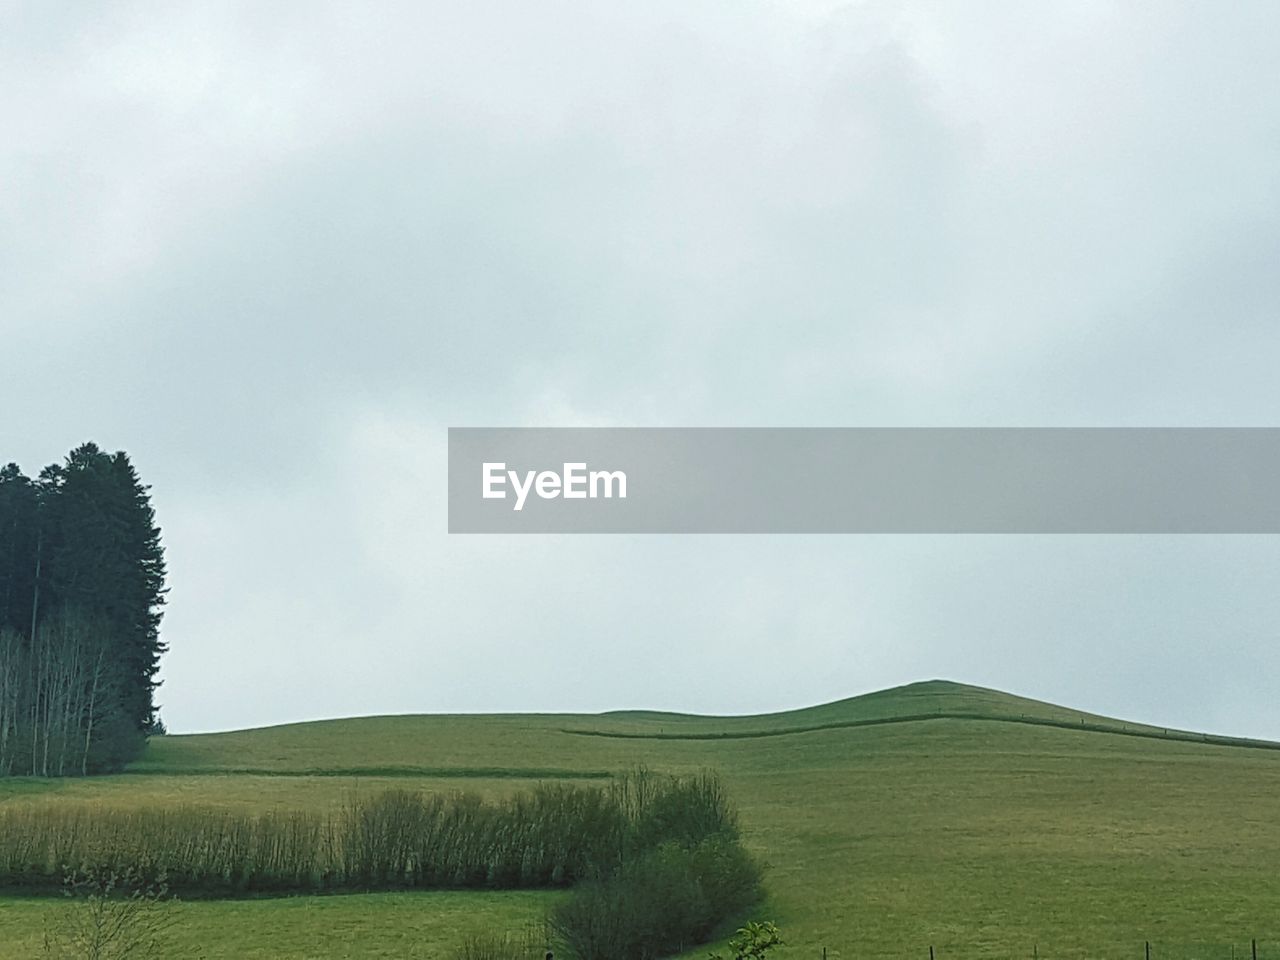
(753, 942)
(684, 810)
(110, 917)
(659, 903)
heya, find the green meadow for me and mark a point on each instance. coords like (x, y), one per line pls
(978, 823)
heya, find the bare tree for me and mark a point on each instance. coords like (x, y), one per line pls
(11, 671)
(112, 917)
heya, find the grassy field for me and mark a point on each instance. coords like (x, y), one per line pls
(1035, 829)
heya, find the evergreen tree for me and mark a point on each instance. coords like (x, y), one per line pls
(81, 589)
(18, 506)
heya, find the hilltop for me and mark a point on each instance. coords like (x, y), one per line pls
(428, 745)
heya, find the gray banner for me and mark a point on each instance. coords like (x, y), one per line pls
(864, 480)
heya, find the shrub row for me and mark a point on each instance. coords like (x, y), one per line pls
(552, 835)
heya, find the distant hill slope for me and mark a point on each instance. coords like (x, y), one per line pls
(512, 745)
(925, 700)
(936, 814)
(914, 700)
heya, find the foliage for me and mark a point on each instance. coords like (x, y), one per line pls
(659, 903)
(110, 917)
(81, 586)
(753, 941)
(552, 835)
(531, 944)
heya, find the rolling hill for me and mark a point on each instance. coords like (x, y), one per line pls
(935, 814)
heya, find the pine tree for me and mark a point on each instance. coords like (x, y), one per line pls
(18, 506)
(81, 589)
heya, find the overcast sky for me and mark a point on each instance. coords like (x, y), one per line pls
(274, 250)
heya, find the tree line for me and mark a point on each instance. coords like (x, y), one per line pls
(81, 589)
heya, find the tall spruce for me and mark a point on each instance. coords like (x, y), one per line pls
(81, 590)
(18, 506)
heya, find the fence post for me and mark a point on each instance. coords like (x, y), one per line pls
(1148, 948)
(931, 951)
(1254, 945)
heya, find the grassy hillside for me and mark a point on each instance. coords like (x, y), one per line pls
(982, 837)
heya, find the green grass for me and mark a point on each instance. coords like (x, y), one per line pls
(982, 838)
(379, 926)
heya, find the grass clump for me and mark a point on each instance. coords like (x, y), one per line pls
(531, 944)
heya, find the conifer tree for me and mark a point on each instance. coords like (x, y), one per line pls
(81, 590)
